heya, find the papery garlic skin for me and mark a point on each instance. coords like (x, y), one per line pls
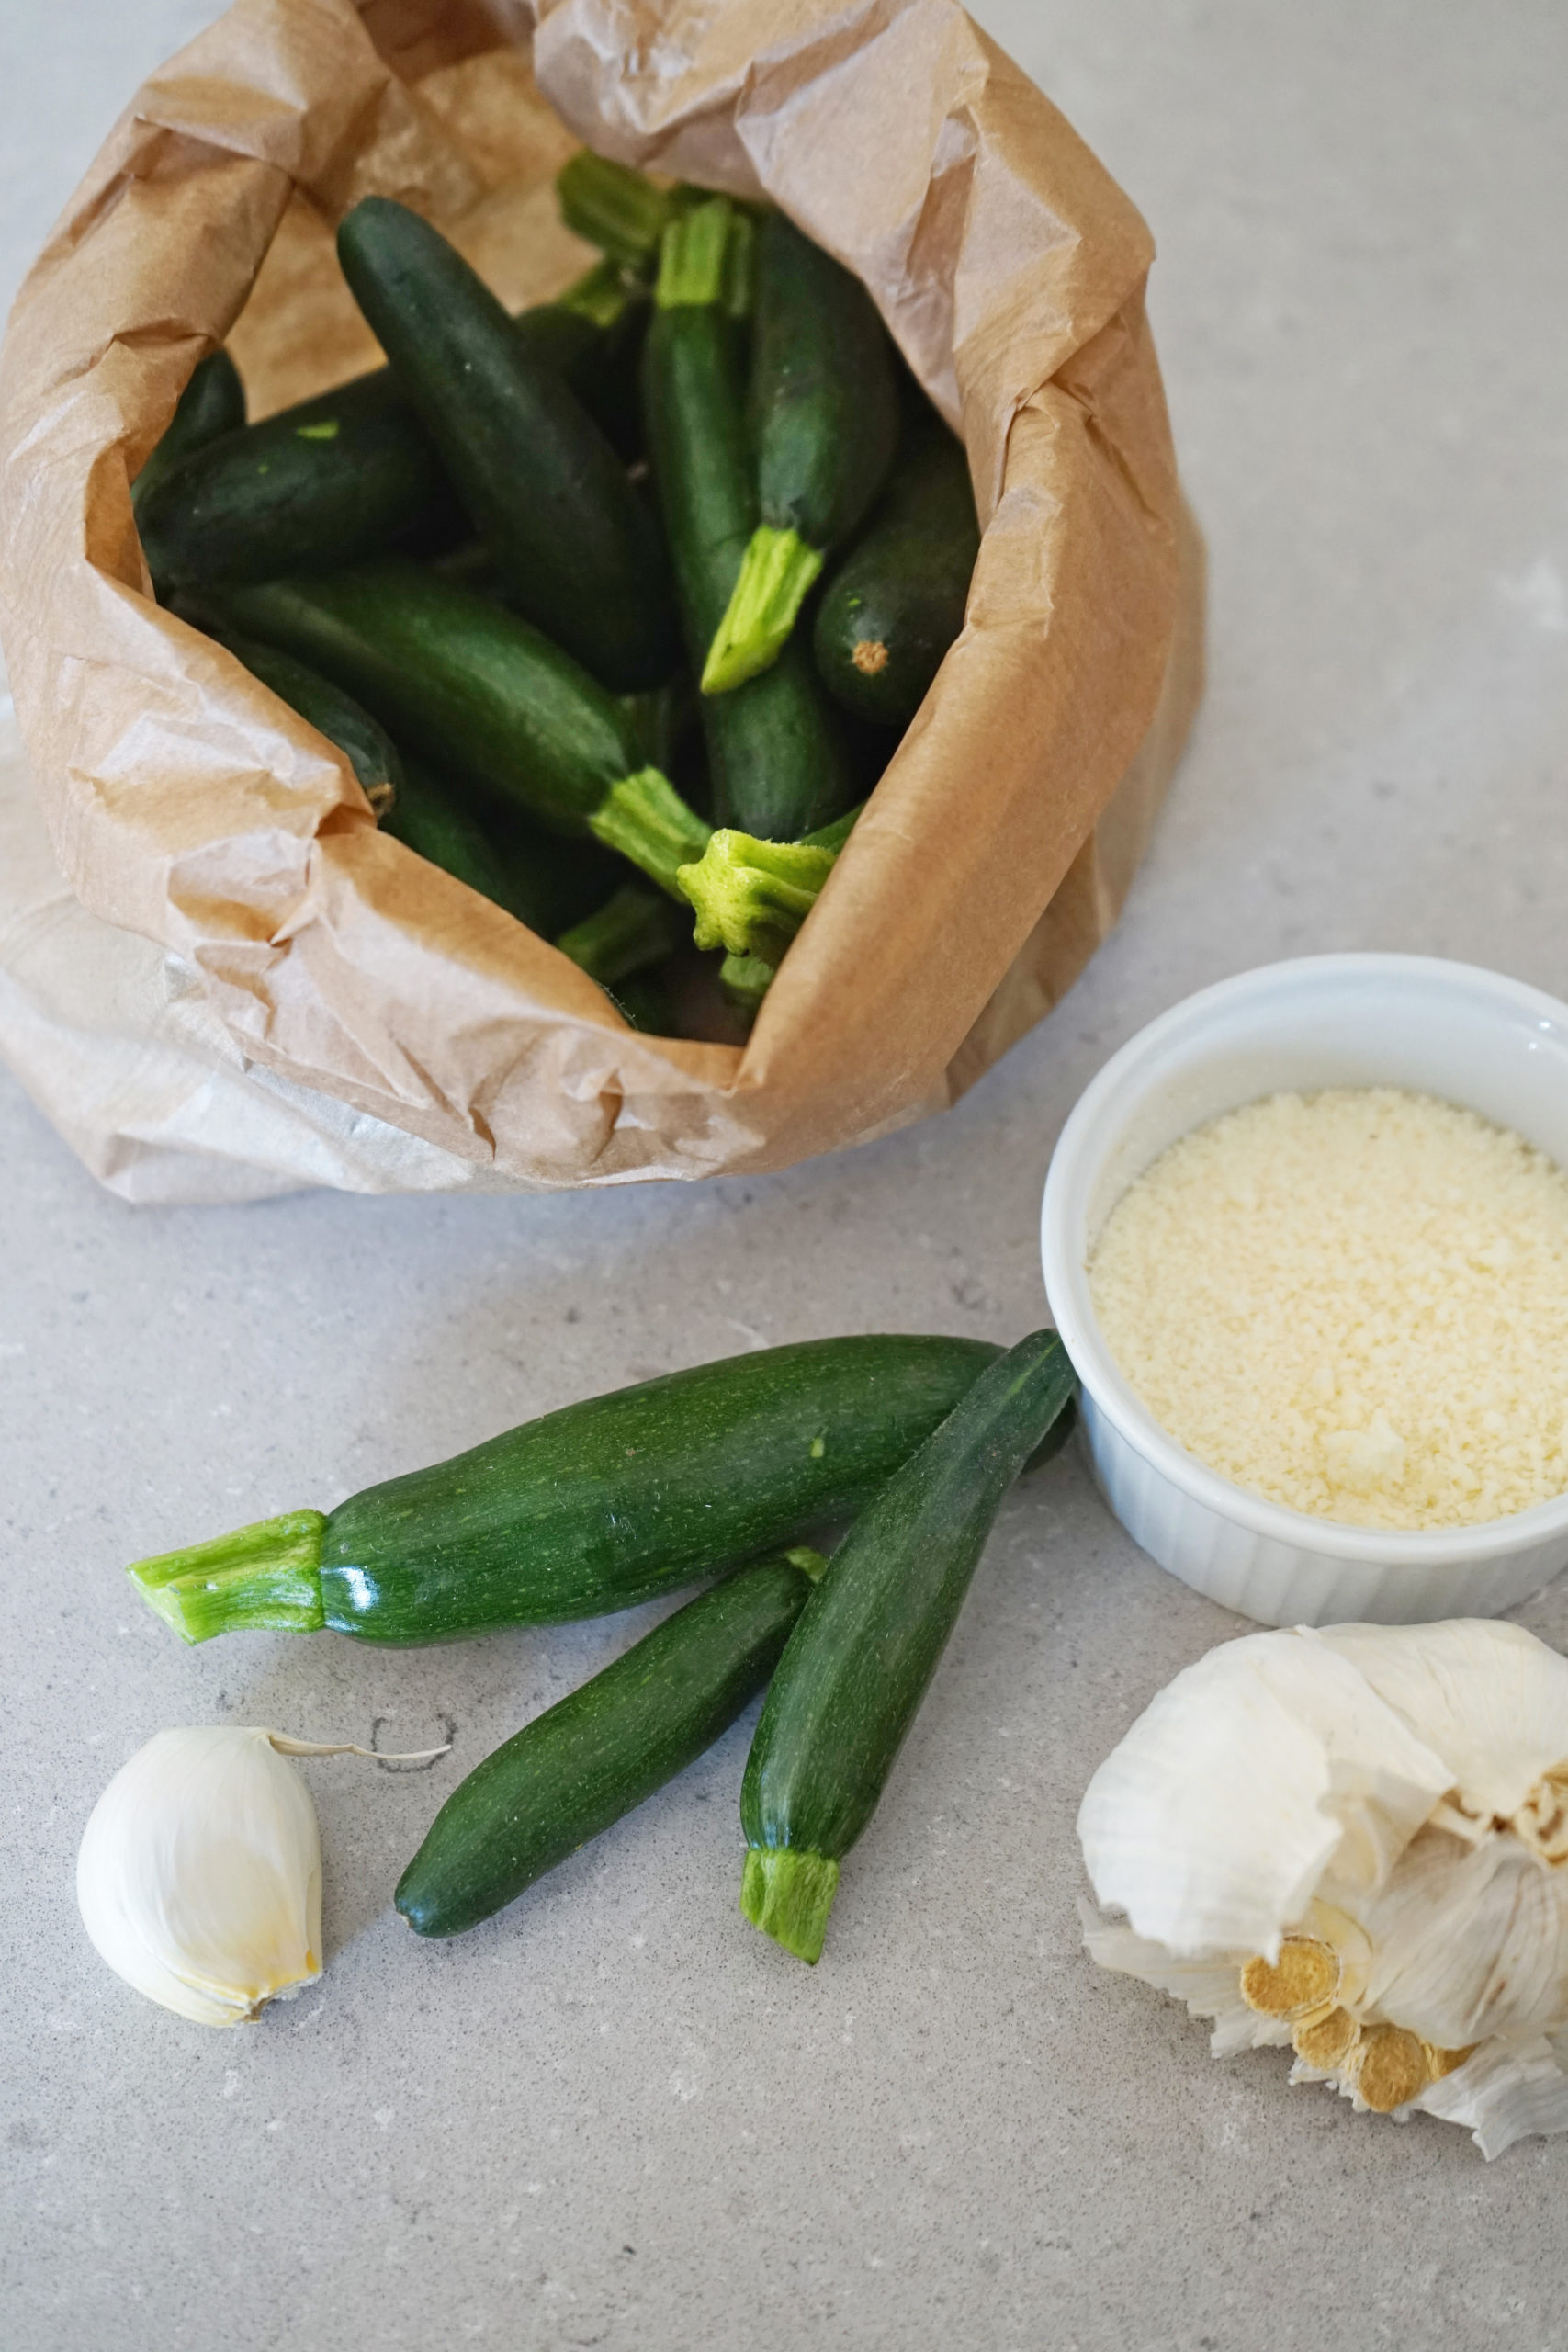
(200, 1876)
(1355, 1842)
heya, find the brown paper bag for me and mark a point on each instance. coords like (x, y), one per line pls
(184, 802)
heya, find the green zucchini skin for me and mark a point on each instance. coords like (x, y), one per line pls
(211, 404)
(851, 1681)
(368, 747)
(615, 1501)
(896, 603)
(824, 400)
(350, 473)
(332, 479)
(579, 549)
(601, 1751)
(460, 679)
(544, 880)
(775, 755)
(433, 822)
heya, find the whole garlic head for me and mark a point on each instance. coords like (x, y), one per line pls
(1355, 1842)
(199, 1878)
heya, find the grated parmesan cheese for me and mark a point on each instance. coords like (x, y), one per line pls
(1355, 1302)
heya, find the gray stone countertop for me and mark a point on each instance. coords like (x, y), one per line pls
(616, 2116)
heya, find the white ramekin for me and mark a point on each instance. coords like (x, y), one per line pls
(1469, 1036)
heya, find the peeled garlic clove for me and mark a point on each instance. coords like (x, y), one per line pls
(199, 1878)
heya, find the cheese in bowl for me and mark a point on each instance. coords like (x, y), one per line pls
(1353, 1302)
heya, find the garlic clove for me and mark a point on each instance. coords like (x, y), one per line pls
(1487, 1697)
(1263, 1770)
(1505, 2091)
(1469, 1940)
(199, 1875)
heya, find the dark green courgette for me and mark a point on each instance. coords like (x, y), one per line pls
(752, 895)
(634, 928)
(577, 547)
(896, 602)
(476, 690)
(368, 749)
(851, 1681)
(592, 1509)
(824, 414)
(604, 1748)
(544, 880)
(775, 753)
(429, 819)
(344, 475)
(212, 403)
(352, 472)
(644, 1002)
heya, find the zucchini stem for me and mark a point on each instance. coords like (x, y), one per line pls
(613, 206)
(776, 573)
(745, 980)
(695, 265)
(644, 818)
(751, 896)
(788, 1894)
(601, 295)
(262, 1578)
(630, 931)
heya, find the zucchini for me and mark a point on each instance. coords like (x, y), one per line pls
(578, 549)
(752, 895)
(896, 602)
(352, 472)
(592, 1509)
(604, 1748)
(475, 689)
(542, 879)
(342, 476)
(368, 749)
(851, 1681)
(212, 403)
(633, 929)
(774, 752)
(431, 820)
(644, 1002)
(825, 421)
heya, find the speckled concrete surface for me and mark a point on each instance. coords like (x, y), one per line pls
(615, 2116)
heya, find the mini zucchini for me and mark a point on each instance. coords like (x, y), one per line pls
(368, 749)
(896, 602)
(851, 1680)
(591, 1509)
(352, 472)
(823, 412)
(211, 404)
(342, 476)
(542, 878)
(474, 689)
(775, 755)
(604, 1748)
(578, 549)
(617, 208)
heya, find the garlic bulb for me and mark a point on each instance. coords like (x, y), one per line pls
(1355, 1842)
(199, 1877)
